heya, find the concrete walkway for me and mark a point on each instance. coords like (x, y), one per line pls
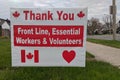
(105, 53)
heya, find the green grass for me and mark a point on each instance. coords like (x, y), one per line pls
(88, 55)
(4, 37)
(5, 53)
(94, 70)
(112, 43)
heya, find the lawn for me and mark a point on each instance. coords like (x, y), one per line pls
(112, 43)
(94, 70)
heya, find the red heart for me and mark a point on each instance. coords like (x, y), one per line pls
(68, 56)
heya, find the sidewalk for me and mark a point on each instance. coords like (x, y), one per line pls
(104, 53)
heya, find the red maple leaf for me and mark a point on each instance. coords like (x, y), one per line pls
(80, 14)
(29, 56)
(16, 14)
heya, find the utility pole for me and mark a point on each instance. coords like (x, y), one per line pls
(114, 18)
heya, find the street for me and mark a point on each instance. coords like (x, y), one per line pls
(104, 37)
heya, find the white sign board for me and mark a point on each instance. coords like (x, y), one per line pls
(48, 37)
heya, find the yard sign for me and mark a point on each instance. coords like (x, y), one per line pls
(48, 37)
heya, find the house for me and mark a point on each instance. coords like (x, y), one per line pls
(5, 28)
(118, 28)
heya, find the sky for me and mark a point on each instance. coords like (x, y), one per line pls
(96, 8)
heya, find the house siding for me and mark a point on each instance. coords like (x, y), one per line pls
(0, 30)
(4, 28)
(6, 33)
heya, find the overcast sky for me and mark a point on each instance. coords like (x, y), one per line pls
(96, 8)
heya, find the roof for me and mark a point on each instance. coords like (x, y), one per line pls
(8, 21)
(3, 20)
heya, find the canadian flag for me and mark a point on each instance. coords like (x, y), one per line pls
(29, 56)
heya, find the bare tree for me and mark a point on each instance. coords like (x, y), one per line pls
(93, 25)
(107, 19)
